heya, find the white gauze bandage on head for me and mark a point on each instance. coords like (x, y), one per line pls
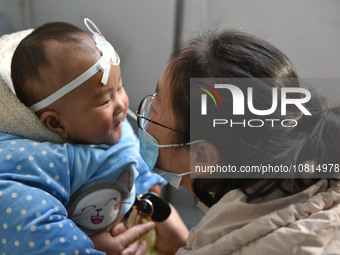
(109, 57)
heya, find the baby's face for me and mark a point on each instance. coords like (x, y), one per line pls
(94, 113)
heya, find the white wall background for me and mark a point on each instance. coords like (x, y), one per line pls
(308, 31)
(142, 32)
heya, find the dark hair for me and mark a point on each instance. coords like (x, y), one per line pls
(30, 59)
(235, 54)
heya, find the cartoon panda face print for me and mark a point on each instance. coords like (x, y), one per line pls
(98, 209)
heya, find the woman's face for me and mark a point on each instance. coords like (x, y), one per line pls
(172, 159)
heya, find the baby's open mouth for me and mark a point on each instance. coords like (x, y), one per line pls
(115, 125)
(97, 219)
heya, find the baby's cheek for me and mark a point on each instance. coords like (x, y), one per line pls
(106, 124)
(126, 101)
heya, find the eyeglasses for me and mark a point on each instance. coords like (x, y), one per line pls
(144, 112)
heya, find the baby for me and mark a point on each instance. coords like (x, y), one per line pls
(49, 66)
(72, 81)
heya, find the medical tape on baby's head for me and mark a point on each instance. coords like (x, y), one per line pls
(108, 52)
(109, 57)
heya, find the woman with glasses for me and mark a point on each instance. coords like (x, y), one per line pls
(284, 215)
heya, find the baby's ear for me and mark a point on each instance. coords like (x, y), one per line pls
(52, 121)
(126, 177)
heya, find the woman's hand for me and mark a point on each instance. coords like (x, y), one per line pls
(172, 233)
(119, 240)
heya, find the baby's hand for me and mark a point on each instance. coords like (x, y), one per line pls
(117, 229)
(119, 240)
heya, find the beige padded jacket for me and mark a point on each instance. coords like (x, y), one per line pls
(304, 223)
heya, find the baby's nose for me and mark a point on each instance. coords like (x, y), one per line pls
(119, 108)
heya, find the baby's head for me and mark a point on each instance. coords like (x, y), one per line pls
(58, 54)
